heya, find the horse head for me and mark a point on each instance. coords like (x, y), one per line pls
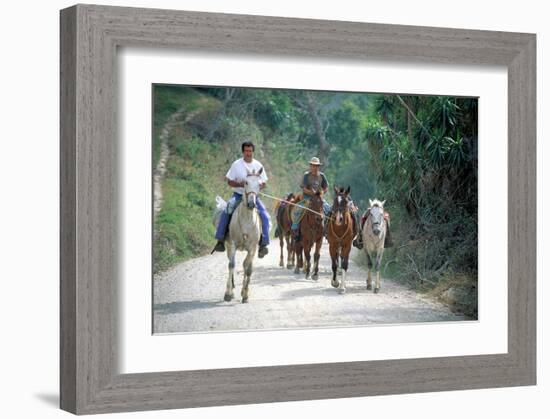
(341, 204)
(252, 187)
(376, 212)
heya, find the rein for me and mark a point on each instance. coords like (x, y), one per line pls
(348, 229)
(296, 205)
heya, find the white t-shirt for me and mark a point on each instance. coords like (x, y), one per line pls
(239, 170)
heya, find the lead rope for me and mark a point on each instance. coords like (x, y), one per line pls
(296, 205)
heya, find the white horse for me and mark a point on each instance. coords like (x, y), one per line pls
(374, 235)
(244, 234)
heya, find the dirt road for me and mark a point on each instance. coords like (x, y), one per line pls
(189, 298)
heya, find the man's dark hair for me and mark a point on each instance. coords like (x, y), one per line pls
(247, 144)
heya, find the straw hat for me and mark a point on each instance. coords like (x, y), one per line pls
(315, 161)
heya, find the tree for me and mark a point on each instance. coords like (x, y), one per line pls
(316, 105)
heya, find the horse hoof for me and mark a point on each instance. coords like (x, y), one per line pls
(281, 264)
(335, 284)
(289, 266)
(376, 290)
(296, 271)
(341, 290)
(245, 300)
(315, 277)
(227, 297)
(369, 287)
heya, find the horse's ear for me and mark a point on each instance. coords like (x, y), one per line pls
(348, 190)
(335, 189)
(261, 170)
(370, 202)
(383, 202)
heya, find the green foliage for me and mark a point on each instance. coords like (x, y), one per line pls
(196, 167)
(273, 110)
(183, 228)
(168, 100)
(422, 153)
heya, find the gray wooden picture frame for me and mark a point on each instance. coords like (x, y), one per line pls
(90, 36)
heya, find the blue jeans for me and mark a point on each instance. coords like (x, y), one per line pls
(226, 217)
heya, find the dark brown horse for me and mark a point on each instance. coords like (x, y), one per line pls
(282, 214)
(340, 234)
(296, 245)
(311, 232)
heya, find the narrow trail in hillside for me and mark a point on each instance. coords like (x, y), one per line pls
(160, 170)
(189, 298)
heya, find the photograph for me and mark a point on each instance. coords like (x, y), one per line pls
(279, 209)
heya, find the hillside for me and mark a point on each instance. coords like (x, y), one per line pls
(196, 167)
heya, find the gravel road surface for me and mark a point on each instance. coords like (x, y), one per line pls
(189, 298)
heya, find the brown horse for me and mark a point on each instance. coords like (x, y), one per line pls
(311, 231)
(340, 234)
(282, 215)
(296, 246)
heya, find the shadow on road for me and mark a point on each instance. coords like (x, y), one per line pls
(279, 275)
(181, 306)
(324, 289)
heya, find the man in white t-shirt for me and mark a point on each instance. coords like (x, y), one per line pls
(236, 176)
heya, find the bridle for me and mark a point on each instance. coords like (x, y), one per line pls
(380, 224)
(247, 194)
(346, 214)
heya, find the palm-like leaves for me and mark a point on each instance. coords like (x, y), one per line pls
(384, 106)
(411, 166)
(445, 112)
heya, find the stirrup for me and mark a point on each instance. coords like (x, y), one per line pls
(220, 247)
(263, 251)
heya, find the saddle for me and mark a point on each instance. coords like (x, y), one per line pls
(388, 242)
(366, 215)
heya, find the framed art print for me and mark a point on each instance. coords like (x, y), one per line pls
(285, 185)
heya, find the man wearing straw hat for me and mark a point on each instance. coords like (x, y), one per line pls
(313, 180)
